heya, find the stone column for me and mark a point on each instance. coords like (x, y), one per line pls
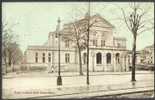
(114, 62)
(104, 62)
(122, 63)
(125, 63)
(93, 61)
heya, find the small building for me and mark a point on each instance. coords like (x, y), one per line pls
(147, 55)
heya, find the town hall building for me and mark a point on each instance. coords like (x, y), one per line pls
(106, 51)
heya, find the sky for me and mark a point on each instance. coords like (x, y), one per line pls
(34, 20)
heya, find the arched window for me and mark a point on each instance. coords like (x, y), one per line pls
(85, 58)
(36, 57)
(117, 58)
(108, 58)
(98, 58)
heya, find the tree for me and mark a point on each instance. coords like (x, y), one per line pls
(136, 23)
(15, 55)
(77, 32)
(11, 53)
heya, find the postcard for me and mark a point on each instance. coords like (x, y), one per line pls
(77, 50)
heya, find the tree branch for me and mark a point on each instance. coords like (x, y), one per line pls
(147, 29)
(125, 19)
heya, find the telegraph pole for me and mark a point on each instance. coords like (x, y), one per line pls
(88, 44)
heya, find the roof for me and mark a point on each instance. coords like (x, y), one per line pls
(107, 22)
(91, 17)
(37, 47)
(119, 38)
(137, 52)
(150, 46)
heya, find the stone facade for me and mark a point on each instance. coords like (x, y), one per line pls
(107, 52)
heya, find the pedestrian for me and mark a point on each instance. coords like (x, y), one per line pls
(52, 69)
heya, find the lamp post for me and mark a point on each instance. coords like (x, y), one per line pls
(88, 18)
(59, 79)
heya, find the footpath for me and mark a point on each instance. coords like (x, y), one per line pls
(120, 85)
(67, 74)
(144, 83)
(94, 91)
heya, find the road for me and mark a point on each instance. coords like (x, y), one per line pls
(24, 86)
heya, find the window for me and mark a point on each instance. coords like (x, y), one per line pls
(129, 59)
(102, 43)
(85, 58)
(56, 35)
(43, 57)
(67, 58)
(98, 58)
(67, 44)
(49, 57)
(94, 42)
(36, 57)
(141, 60)
(151, 62)
(117, 58)
(118, 44)
(108, 58)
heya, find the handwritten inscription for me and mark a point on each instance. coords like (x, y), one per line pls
(33, 92)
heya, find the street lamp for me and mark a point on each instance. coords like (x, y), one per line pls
(88, 18)
(59, 79)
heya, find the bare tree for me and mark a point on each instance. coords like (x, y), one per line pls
(77, 32)
(11, 53)
(15, 55)
(136, 23)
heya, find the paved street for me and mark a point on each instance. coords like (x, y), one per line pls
(33, 85)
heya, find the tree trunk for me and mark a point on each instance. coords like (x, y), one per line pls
(9, 57)
(134, 58)
(5, 61)
(6, 65)
(80, 62)
(13, 69)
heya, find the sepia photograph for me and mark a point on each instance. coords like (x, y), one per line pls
(64, 50)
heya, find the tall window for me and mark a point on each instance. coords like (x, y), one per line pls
(67, 58)
(67, 44)
(56, 35)
(36, 57)
(108, 58)
(49, 57)
(118, 45)
(117, 58)
(98, 58)
(128, 59)
(43, 57)
(94, 42)
(102, 43)
(85, 58)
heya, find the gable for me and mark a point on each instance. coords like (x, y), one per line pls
(101, 21)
